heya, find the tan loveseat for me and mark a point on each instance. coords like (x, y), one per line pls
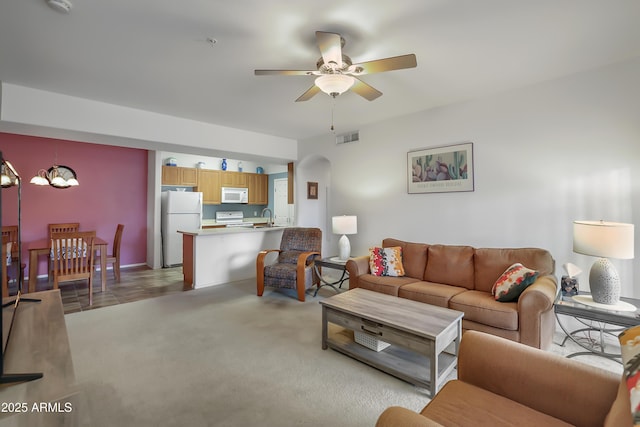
(461, 278)
(502, 383)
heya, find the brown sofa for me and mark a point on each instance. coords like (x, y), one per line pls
(502, 383)
(461, 278)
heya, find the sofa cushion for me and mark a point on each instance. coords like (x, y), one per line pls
(513, 282)
(490, 263)
(481, 307)
(414, 256)
(430, 293)
(451, 265)
(383, 284)
(462, 404)
(386, 261)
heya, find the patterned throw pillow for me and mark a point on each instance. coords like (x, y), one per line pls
(513, 282)
(386, 261)
(630, 351)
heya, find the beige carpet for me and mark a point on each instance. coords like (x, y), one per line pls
(222, 356)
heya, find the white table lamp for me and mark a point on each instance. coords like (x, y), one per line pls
(345, 224)
(604, 240)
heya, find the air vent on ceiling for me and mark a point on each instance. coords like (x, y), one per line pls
(348, 137)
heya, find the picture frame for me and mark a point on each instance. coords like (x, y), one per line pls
(441, 169)
(312, 190)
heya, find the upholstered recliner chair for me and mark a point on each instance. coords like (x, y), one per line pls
(505, 383)
(294, 266)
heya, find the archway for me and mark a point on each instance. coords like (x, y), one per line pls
(314, 212)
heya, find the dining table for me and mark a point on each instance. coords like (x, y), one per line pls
(40, 247)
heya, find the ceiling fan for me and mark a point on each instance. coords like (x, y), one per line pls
(336, 73)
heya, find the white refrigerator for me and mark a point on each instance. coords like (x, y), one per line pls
(181, 210)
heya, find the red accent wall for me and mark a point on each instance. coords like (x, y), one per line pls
(112, 190)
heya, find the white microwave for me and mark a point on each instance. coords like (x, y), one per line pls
(235, 195)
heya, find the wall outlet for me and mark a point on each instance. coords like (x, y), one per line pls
(255, 213)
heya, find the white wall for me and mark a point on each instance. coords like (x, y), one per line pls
(41, 113)
(544, 156)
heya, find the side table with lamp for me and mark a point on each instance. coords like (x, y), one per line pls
(603, 306)
(344, 224)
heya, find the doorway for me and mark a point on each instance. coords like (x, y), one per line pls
(282, 211)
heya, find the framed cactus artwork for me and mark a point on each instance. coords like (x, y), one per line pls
(441, 169)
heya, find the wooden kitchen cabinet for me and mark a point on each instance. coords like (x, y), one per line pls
(258, 189)
(175, 175)
(209, 185)
(211, 181)
(234, 179)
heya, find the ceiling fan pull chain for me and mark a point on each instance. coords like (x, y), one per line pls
(333, 106)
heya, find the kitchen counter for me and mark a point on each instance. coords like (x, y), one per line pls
(256, 220)
(221, 255)
(230, 230)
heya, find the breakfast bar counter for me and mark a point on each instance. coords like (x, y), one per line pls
(221, 255)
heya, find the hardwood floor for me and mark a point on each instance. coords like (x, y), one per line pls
(136, 283)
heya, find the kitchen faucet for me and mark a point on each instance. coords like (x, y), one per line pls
(270, 223)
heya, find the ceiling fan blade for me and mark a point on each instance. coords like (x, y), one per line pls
(308, 94)
(330, 45)
(364, 90)
(284, 72)
(387, 64)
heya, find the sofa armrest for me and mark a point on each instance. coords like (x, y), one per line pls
(356, 267)
(396, 416)
(526, 375)
(535, 312)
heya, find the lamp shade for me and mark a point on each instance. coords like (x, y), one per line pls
(9, 176)
(345, 224)
(603, 239)
(334, 83)
(39, 180)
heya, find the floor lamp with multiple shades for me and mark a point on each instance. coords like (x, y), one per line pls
(10, 178)
(344, 224)
(604, 240)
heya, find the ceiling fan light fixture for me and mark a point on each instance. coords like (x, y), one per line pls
(335, 84)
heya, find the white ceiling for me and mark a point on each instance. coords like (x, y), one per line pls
(154, 55)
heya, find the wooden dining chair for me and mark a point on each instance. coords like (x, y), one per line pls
(5, 260)
(64, 227)
(11, 233)
(73, 258)
(114, 257)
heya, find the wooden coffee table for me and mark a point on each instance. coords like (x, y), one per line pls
(419, 334)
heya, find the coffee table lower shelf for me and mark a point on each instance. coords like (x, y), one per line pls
(395, 360)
